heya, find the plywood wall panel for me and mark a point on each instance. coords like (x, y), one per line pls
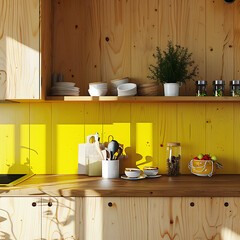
(115, 39)
(67, 133)
(191, 132)
(219, 134)
(236, 44)
(167, 132)
(219, 42)
(144, 37)
(41, 138)
(144, 135)
(14, 138)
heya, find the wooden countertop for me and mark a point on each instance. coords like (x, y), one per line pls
(80, 186)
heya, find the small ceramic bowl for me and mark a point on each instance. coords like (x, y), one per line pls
(127, 89)
(132, 172)
(97, 92)
(115, 83)
(98, 85)
(150, 171)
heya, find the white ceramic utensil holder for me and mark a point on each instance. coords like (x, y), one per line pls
(110, 169)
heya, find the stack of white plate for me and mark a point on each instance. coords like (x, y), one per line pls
(117, 82)
(98, 89)
(65, 89)
(127, 89)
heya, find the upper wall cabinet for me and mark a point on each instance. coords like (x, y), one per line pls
(19, 49)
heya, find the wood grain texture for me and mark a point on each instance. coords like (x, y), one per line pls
(167, 132)
(67, 133)
(40, 138)
(115, 39)
(219, 42)
(63, 219)
(207, 219)
(183, 22)
(14, 138)
(84, 186)
(19, 49)
(144, 135)
(19, 219)
(219, 134)
(191, 132)
(236, 40)
(126, 219)
(46, 13)
(144, 38)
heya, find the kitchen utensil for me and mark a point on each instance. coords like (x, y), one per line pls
(143, 176)
(132, 172)
(150, 171)
(110, 169)
(119, 151)
(113, 147)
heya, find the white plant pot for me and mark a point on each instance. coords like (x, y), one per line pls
(171, 89)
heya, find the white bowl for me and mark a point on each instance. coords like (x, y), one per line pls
(97, 92)
(127, 89)
(98, 85)
(117, 82)
(132, 172)
(150, 171)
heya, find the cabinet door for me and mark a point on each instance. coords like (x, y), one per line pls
(20, 218)
(62, 218)
(19, 49)
(115, 218)
(194, 218)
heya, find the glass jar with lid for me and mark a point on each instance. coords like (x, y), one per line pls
(218, 88)
(173, 158)
(201, 88)
(235, 88)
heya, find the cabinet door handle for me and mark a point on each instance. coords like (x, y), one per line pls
(34, 204)
(110, 204)
(50, 204)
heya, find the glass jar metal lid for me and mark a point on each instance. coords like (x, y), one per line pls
(173, 144)
(235, 82)
(201, 82)
(218, 82)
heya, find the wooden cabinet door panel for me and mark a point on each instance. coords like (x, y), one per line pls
(62, 218)
(117, 218)
(19, 49)
(186, 218)
(20, 219)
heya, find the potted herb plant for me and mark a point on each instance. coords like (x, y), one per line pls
(173, 67)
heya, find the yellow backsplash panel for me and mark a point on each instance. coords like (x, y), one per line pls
(43, 138)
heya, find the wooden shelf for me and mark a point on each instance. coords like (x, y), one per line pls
(140, 99)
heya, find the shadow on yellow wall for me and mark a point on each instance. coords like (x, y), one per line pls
(44, 137)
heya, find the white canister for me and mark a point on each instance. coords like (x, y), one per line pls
(171, 89)
(110, 169)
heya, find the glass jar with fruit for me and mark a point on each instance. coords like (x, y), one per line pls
(235, 88)
(218, 88)
(173, 158)
(201, 88)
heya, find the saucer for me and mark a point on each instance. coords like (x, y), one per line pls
(154, 176)
(142, 176)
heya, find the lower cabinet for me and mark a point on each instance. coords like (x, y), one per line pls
(20, 218)
(119, 218)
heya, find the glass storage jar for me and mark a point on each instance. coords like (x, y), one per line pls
(201, 88)
(235, 88)
(218, 88)
(173, 158)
